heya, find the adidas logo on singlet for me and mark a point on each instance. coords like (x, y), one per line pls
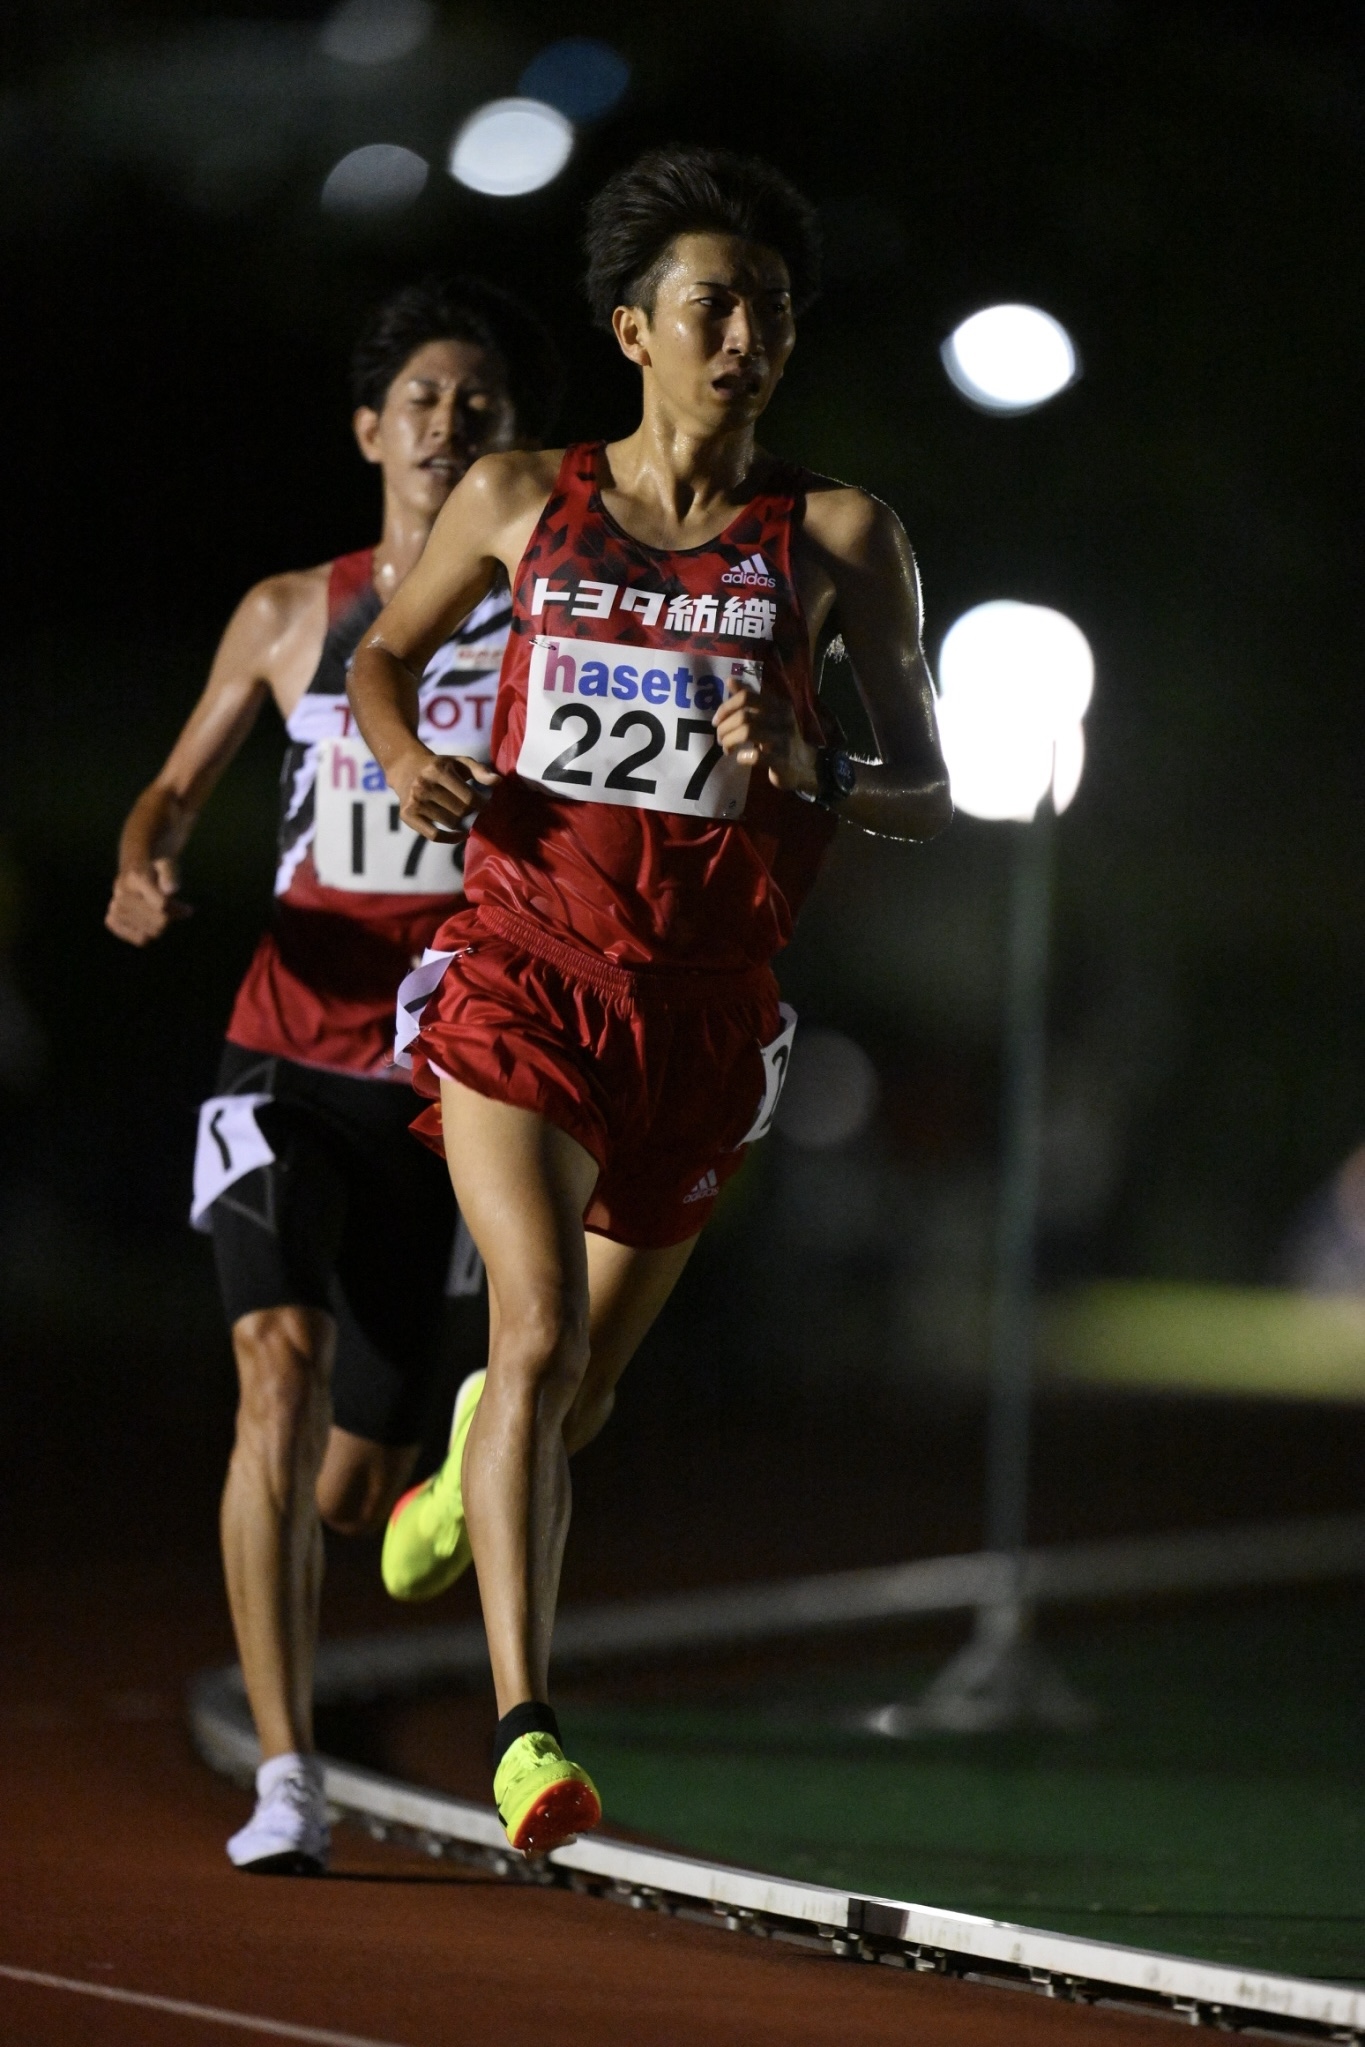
(753, 573)
(706, 1188)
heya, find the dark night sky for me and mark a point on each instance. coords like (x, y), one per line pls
(1180, 184)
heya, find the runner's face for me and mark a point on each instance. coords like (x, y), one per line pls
(721, 330)
(448, 405)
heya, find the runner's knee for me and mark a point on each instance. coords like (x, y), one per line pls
(541, 1347)
(360, 1481)
(353, 1512)
(283, 1364)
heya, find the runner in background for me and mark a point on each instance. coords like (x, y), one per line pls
(606, 1038)
(334, 1231)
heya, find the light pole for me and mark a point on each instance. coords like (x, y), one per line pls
(1016, 681)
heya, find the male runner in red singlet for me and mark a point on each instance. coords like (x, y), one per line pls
(332, 1229)
(607, 1037)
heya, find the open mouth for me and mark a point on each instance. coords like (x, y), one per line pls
(738, 384)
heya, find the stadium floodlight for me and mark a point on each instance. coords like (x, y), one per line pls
(511, 146)
(1016, 680)
(380, 178)
(1010, 358)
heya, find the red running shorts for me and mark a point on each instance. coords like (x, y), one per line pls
(657, 1072)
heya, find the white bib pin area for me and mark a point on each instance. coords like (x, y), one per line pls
(632, 726)
(776, 1060)
(230, 1144)
(361, 843)
(415, 991)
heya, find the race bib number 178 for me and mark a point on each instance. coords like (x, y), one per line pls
(632, 725)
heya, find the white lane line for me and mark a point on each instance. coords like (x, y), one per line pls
(212, 2014)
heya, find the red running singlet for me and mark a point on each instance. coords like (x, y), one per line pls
(620, 827)
(357, 895)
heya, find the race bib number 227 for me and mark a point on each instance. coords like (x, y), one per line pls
(632, 725)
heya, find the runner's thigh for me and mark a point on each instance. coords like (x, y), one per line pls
(277, 1230)
(522, 1184)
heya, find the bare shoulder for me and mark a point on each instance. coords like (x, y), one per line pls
(858, 557)
(850, 524)
(280, 606)
(489, 516)
(507, 485)
(275, 636)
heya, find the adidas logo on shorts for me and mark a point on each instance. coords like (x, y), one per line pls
(753, 573)
(706, 1188)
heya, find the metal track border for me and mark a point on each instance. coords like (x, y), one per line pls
(873, 1929)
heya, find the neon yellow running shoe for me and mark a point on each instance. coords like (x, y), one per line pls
(543, 1800)
(426, 1544)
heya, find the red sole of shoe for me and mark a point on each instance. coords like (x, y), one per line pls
(410, 1494)
(557, 1815)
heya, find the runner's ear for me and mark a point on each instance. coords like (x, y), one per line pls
(629, 325)
(365, 427)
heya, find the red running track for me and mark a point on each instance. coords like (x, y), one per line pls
(113, 1876)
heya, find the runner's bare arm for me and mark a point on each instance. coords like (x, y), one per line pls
(487, 520)
(271, 641)
(858, 559)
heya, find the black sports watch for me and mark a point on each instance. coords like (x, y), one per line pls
(836, 776)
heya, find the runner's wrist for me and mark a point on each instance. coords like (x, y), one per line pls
(808, 759)
(404, 763)
(148, 831)
(833, 777)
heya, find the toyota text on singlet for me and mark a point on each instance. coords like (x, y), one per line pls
(358, 896)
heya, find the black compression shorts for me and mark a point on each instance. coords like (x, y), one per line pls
(354, 1216)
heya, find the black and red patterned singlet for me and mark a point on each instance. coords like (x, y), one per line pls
(619, 827)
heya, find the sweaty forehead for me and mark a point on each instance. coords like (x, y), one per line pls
(723, 259)
(450, 362)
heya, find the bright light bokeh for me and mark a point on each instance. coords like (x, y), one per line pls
(380, 178)
(1016, 680)
(376, 31)
(1010, 358)
(511, 146)
(581, 76)
(830, 1093)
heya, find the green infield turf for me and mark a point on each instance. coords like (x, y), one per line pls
(1215, 1808)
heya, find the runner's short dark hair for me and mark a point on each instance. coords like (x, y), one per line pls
(461, 309)
(685, 190)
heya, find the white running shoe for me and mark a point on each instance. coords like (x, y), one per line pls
(287, 1835)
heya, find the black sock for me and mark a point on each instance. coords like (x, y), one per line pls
(529, 1718)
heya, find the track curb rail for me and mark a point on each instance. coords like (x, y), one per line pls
(872, 1929)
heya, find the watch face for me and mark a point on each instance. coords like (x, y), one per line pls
(843, 774)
